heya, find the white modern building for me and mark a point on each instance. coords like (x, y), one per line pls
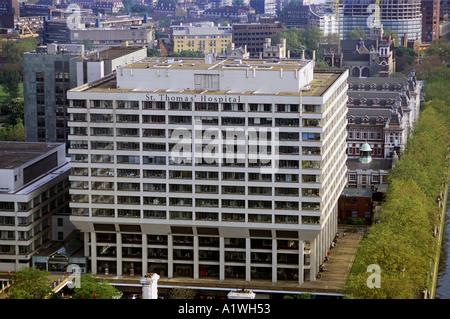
(205, 168)
(34, 196)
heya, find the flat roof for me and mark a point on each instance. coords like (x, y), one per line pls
(322, 79)
(110, 53)
(232, 64)
(15, 154)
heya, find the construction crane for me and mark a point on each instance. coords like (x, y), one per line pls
(26, 32)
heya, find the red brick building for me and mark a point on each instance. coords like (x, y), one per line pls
(430, 20)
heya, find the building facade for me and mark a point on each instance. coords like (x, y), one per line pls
(50, 71)
(364, 58)
(430, 20)
(182, 172)
(402, 17)
(202, 37)
(34, 192)
(254, 35)
(381, 115)
(9, 11)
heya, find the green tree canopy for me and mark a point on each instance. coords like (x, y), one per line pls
(91, 288)
(29, 283)
(356, 34)
(9, 79)
(298, 40)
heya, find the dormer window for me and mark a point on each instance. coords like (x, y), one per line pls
(385, 87)
(363, 101)
(351, 119)
(361, 86)
(373, 87)
(376, 102)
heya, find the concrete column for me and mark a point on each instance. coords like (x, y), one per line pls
(169, 256)
(119, 254)
(312, 270)
(274, 260)
(150, 286)
(86, 243)
(93, 253)
(144, 255)
(196, 259)
(301, 261)
(221, 258)
(247, 260)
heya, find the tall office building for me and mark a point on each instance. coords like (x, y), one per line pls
(402, 17)
(50, 71)
(9, 10)
(253, 35)
(430, 20)
(209, 168)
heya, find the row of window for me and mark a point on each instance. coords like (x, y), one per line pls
(188, 215)
(187, 120)
(197, 106)
(207, 175)
(198, 202)
(203, 241)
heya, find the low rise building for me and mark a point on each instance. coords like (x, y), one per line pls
(381, 115)
(205, 37)
(34, 200)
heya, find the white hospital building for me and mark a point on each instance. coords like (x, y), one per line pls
(205, 168)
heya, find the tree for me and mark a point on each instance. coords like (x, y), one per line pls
(331, 38)
(152, 52)
(29, 283)
(15, 110)
(356, 34)
(441, 49)
(91, 288)
(13, 50)
(394, 35)
(10, 81)
(13, 133)
(187, 54)
(298, 40)
(405, 59)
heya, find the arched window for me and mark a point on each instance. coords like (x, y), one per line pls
(365, 72)
(355, 72)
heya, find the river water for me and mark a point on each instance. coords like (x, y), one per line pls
(443, 278)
